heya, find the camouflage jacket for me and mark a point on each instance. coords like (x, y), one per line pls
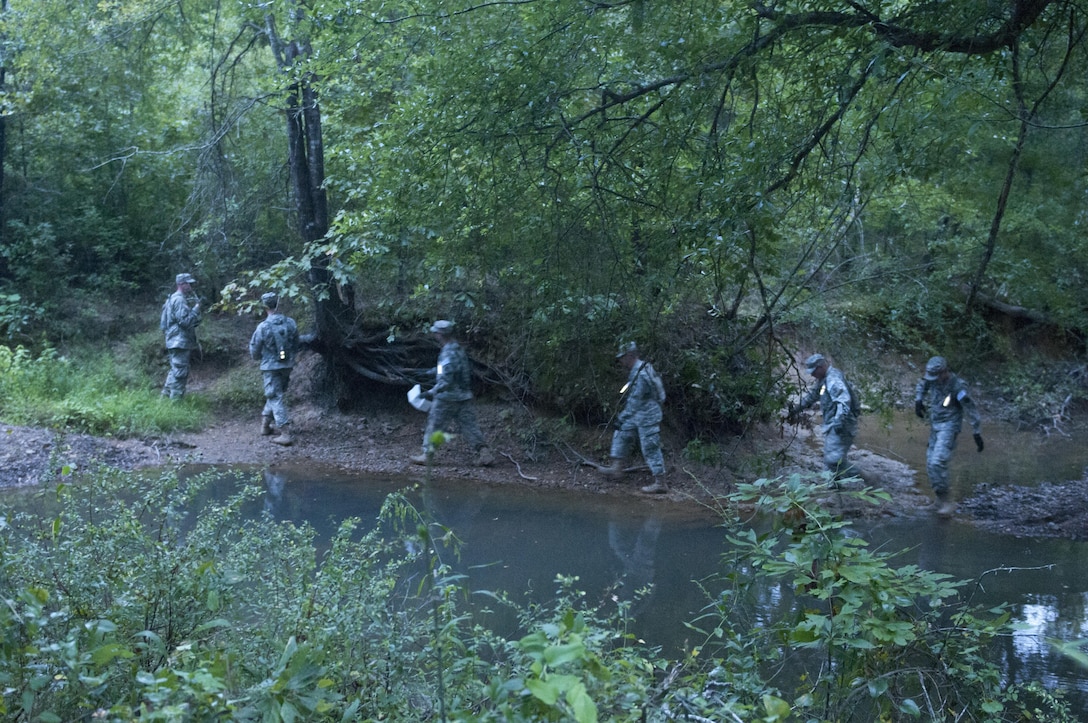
(643, 395)
(179, 321)
(836, 403)
(275, 342)
(453, 375)
(947, 403)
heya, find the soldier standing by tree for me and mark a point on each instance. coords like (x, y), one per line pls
(179, 319)
(275, 345)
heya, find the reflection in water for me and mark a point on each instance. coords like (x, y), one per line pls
(1035, 620)
(517, 540)
(635, 546)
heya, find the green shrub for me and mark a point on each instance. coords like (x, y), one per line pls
(94, 394)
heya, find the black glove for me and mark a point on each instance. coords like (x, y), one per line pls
(920, 409)
(978, 442)
(792, 413)
(428, 395)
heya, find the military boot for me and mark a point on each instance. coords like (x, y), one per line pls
(484, 458)
(421, 458)
(285, 439)
(266, 425)
(659, 487)
(946, 506)
(613, 470)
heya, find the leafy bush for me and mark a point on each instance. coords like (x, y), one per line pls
(15, 315)
(92, 394)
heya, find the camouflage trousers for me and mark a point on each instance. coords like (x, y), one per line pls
(942, 441)
(178, 377)
(444, 413)
(275, 389)
(836, 446)
(649, 439)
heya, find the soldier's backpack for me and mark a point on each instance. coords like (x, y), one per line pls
(855, 400)
(659, 386)
(164, 318)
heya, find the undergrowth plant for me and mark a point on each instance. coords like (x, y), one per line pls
(91, 393)
(172, 597)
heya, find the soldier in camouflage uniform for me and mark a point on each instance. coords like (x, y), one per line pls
(451, 398)
(179, 319)
(945, 396)
(640, 419)
(275, 345)
(839, 410)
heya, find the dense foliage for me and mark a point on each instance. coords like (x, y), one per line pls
(168, 598)
(561, 174)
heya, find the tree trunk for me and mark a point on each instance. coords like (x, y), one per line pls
(334, 303)
(4, 271)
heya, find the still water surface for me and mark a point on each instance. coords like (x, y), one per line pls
(517, 540)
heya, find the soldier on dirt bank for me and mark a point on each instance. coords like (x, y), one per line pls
(640, 419)
(451, 398)
(945, 396)
(839, 409)
(275, 345)
(179, 319)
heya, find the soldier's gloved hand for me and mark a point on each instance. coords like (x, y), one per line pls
(791, 413)
(428, 395)
(920, 409)
(978, 442)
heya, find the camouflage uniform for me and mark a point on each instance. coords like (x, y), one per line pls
(275, 345)
(947, 402)
(451, 398)
(641, 418)
(840, 422)
(180, 317)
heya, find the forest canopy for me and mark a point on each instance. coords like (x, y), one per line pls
(556, 175)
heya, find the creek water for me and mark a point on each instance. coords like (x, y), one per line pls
(1011, 456)
(517, 540)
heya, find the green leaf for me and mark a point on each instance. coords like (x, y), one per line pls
(543, 690)
(559, 654)
(585, 710)
(108, 653)
(909, 707)
(775, 708)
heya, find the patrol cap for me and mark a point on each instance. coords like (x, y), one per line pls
(814, 362)
(934, 367)
(628, 347)
(184, 279)
(442, 326)
(270, 299)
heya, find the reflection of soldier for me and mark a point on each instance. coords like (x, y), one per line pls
(947, 400)
(275, 344)
(839, 410)
(179, 319)
(452, 398)
(636, 555)
(275, 482)
(640, 419)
